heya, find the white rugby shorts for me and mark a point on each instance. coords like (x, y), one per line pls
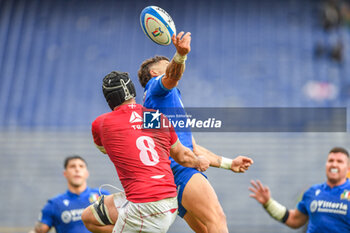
(150, 217)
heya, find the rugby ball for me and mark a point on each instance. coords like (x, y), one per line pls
(157, 24)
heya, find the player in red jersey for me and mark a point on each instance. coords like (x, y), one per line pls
(141, 158)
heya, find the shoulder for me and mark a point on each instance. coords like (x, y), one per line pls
(101, 117)
(57, 199)
(103, 191)
(347, 183)
(156, 84)
(96, 192)
(317, 186)
(151, 82)
(314, 189)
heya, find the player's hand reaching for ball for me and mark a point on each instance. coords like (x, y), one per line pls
(182, 43)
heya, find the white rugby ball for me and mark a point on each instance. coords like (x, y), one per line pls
(157, 24)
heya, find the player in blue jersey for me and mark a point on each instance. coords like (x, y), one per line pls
(198, 203)
(63, 212)
(326, 206)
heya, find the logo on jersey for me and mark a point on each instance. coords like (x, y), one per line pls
(135, 117)
(132, 106)
(322, 206)
(317, 192)
(93, 197)
(345, 195)
(313, 206)
(157, 177)
(68, 216)
(65, 202)
(151, 120)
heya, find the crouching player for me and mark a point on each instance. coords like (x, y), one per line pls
(141, 158)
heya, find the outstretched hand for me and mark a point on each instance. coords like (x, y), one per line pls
(182, 43)
(241, 163)
(260, 192)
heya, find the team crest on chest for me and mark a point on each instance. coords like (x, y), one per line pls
(93, 197)
(345, 195)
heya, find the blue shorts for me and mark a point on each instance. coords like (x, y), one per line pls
(182, 175)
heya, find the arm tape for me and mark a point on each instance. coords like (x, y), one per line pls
(276, 210)
(179, 59)
(226, 163)
(100, 212)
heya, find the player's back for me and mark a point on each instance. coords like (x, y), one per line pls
(139, 155)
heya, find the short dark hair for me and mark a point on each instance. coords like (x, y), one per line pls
(69, 158)
(339, 150)
(144, 71)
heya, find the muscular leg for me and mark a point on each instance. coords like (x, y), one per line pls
(201, 203)
(93, 225)
(196, 225)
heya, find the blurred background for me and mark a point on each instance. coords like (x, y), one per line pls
(255, 53)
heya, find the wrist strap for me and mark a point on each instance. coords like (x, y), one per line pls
(276, 210)
(179, 59)
(226, 163)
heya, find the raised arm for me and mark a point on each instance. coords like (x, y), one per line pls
(176, 67)
(292, 218)
(187, 158)
(239, 165)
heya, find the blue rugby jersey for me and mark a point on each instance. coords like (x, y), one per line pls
(64, 211)
(169, 102)
(327, 208)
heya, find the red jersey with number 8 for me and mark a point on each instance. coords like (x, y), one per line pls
(140, 156)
